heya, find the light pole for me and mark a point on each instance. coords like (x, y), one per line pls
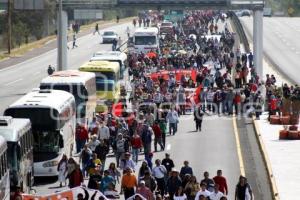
(62, 22)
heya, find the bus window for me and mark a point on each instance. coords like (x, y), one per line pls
(145, 40)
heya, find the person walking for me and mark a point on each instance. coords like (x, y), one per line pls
(168, 163)
(221, 181)
(208, 181)
(62, 170)
(191, 188)
(160, 172)
(84, 158)
(74, 41)
(172, 118)
(216, 194)
(76, 177)
(186, 169)
(136, 145)
(128, 183)
(102, 150)
(180, 194)
(146, 136)
(81, 137)
(243, 190)
(157, 136)
(97, 29)
(127, 162)
(144, 191)
(198, 117)
(173, 183)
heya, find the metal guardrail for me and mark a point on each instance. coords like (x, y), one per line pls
(240, 31)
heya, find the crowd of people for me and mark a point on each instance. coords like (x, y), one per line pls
(223, 82)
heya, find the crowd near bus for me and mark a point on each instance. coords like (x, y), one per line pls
(193, 67)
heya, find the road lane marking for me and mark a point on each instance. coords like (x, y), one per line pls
(168, 147)
(238, 146)
(10, 83)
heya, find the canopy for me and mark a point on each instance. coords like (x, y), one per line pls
(165, 74)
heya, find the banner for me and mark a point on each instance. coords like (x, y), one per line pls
(88, 194)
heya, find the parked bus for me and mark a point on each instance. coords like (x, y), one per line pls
(146, 39)
(17, 133)
(112, 56)
(52, 115)
(107, 82)
(4, 171)
(83, 87)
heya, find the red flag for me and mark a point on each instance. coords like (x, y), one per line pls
(197, 94)
(193, 75)
(118, 109)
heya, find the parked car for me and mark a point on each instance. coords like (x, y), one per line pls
(109, 36)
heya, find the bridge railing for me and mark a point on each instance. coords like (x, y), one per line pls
(240, 31)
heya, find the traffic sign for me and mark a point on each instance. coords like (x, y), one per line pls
(86, 14)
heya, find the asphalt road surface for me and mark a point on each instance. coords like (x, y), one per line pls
(281, 43)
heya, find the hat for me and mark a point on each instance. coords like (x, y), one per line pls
(127, 153)
(175, 170)
(142, 182)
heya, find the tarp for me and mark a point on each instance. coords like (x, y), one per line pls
(88, 194)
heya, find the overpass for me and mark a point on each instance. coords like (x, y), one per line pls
(255, 5)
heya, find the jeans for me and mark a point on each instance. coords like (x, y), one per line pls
(172, 126)
(161, 185)
(135, 154)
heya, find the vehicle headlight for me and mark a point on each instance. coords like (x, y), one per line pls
(50, 164)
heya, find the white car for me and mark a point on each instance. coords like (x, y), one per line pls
(109, 36)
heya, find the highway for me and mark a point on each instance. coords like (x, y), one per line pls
(281, 43)
(216, 147)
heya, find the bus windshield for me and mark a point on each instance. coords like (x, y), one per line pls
(104, 86)
(41, 118)
(46, 141)
(145, 40)
(105, 76)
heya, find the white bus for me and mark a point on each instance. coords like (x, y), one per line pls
(83, 87)
(112, 56)
(17, 133)
(4, 172)
(53, 116)
(146, 39)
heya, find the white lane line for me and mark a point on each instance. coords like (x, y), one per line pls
(10, 83)
(168, 147)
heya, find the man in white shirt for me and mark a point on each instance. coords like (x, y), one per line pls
(103, 132)
(93, 143)
(203, 191)
(216, 194)
(159, 172)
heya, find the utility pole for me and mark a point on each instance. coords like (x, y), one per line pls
(62, 23)
(9, 10)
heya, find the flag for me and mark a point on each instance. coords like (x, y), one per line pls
(194, 75)
(118, 109)
(196, 97)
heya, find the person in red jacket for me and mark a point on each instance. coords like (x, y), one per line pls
(81, 136)
(157, 136)
(136, 144)
(221, 181)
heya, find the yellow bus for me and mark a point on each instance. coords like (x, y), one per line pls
(107, 82)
